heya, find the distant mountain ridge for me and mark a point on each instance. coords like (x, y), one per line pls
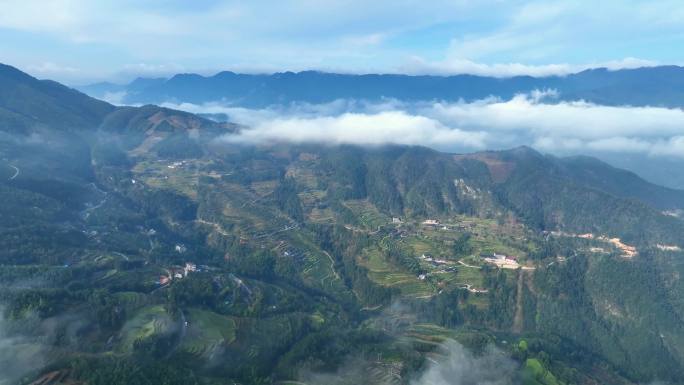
(649, 86)
(27, 103)
(654, 86)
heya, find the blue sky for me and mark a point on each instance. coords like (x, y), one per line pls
(79, 41)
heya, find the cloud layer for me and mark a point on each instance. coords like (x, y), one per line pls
(419, 66)
(453, 365)
(536, 119)
(461, 367)
(396, 127)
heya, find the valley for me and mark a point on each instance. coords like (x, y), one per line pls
(149, 247)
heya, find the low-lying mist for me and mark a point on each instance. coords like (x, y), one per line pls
(646, 140)
(450, 364)
(459, 366)
(19, 353)
(536, 118)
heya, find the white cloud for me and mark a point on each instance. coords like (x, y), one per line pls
(115, 98)
(419, 66)
(82, 21)
(673, 146)
(394, 127)
(453, 365)
(488, 37)
(135, 23)
(372, 39)
(47, 69)
(536, 34)
(577, 119)
(626, 63)
(39, 16)
(152, 70)
(536, 119)
(459, 366)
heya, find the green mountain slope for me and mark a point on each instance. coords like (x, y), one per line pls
(602, 176)
(135, 243)
(27, 103)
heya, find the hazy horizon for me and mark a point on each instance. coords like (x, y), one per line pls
(79, 42)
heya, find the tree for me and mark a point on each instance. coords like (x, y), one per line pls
(462, 246)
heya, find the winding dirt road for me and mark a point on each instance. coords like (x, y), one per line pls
(467, 265)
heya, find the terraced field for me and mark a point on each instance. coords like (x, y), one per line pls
(491, 236)
(235, 211)
(131, 300)
(367, 213)
(207, 332)
(384, 273)
(469, 275)
(258, 341)
(148, 277)
(423, 246)
(325, 215)
(158, 174)
(303, 175)
(310, 197)
(263, 188)
(147, 322)
(429, 334)
(318, 266)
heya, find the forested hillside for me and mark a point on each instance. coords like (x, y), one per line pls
(137, 245)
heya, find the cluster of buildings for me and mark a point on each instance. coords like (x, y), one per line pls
(472, 289)
(435, 223)
(501, 261)
(668, 247)
(434, 261)
(464, 226)
(678, 213)
(177, 272)
(627, 250)
(176, 165)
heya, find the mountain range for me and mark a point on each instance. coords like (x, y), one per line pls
(138, 245)
(650, 86)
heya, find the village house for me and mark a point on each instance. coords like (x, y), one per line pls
(503, 261)
(668, 247)
(190, 267)
(177, 272)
